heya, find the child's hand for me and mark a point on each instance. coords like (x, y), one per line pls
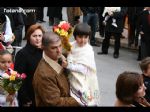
(1, 37)
(10, 98)
(64, 63)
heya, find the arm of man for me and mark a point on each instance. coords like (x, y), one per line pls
(77, 67)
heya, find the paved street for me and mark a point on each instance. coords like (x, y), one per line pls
(108, 68)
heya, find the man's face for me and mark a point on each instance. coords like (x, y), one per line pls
(54, 50)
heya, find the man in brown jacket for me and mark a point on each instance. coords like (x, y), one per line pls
(50, 83)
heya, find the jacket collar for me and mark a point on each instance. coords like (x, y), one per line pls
(52, 63)
(31, 48)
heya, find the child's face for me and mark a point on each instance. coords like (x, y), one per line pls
(5, 61)
(147, 72)
(82, 40)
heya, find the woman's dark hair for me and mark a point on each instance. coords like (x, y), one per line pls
(82, 29)
(31, 29)
(127, 85)
(144, 63)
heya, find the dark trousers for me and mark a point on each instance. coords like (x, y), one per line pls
(106, 42)
(91, 19)
(101, 26)
(40, 13)
(133, 35)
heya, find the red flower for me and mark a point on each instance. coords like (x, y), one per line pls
(23, 76)
(18, 75)
(65, 26)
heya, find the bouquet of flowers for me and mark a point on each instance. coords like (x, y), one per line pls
(12, 81)
(64, 30)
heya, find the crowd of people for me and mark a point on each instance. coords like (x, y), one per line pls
(73, 81)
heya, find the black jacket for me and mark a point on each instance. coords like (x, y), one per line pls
(54, 12)
(147, 84)
(145, 26)
(119, 16)
(26, 61)
(87, 10)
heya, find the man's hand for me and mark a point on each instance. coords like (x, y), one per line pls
(64, 63)
(1, 37)
(10, 98)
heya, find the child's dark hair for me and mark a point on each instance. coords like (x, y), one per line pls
(3, 52)
(144, 63)
(82, 29)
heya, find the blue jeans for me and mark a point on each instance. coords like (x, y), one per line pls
(91, 19)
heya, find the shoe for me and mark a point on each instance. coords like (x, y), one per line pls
(101, 53)
(116, 55)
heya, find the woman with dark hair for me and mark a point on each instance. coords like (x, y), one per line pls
(26, 61)
(130, 90)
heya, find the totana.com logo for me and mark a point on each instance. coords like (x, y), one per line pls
(18, 10)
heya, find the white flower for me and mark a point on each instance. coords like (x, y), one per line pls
(61, 23)
(5, 76)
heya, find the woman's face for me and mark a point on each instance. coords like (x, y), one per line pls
(5, 61)
(36, 38)
(141, 91)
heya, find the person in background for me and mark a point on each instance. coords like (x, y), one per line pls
(115, 31)
(90, 16)
(73, 14)
(17, 23)
(29, 18)
(26, 61)
(55, 15)
(6, 35)
(101, 18)
(40, 14)
(145, 32)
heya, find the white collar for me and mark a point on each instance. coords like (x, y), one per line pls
(52, 63)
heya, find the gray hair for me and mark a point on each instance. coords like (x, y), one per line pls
(49, 38)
